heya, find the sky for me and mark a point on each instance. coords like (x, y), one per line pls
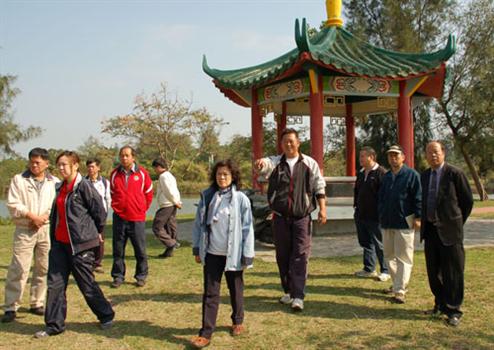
(80, 62)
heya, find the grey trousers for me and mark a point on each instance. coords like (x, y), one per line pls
(165, 226)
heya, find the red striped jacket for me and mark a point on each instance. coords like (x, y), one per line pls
(131, 195)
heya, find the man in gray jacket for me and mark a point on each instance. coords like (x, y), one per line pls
(29, 201)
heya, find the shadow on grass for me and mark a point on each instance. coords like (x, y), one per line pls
(119, 330)
(313, 308)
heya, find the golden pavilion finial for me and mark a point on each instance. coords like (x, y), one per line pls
(333, 8)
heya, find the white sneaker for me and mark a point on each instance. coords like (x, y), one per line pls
(286, 299)
(383, 277)
(297, 304)
(363, 273)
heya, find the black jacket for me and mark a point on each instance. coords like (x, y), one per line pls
(294, 195)
(454, 204)
(366, 193)
(85, 215)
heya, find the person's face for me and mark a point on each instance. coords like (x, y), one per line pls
(126, 158)
(223, 177)
(67, 168)
(365, 159)
(396, 159)
(434, 155)
(37, 166)
(159, 170)
(290, 145)
(93, 170)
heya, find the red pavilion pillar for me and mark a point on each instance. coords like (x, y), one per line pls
(257, 136)
(316, 119)
(405, 125)
(350, 142)
(280, 126)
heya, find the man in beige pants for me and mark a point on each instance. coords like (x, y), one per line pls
(29, 201)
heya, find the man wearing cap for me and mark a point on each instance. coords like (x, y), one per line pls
(448, 201)
(399, 207)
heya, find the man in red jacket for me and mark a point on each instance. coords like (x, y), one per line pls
(132, 193)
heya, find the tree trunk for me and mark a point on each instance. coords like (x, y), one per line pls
(475, 175)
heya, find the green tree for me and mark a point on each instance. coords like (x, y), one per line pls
(93, 147)
(408, 26)
(467, 106)
(11, 132)
(167, 124)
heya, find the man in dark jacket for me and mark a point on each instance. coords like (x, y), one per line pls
(448, 201)
(132, 194)
(366, 218)
(400, 198)
(295, 184)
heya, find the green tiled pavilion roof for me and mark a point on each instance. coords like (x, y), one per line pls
(337, 49)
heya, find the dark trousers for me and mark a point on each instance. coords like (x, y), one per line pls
(61, 264)
(445, 269)
(99, 253)
(371, 240)
(292, 240)
(213, 271)
(122, 231)
(165, 226)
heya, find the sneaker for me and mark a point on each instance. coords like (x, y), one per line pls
(140, 283)
(9, 316)
(383, 277)
(200, 342)
(44, 334)
(106, 325)
(297, 304)
(435, 312)
(363, 273)
(99, 269)
(237, 329)
(286, 299)
(399, 298)
(453, 321)
(39, 311)
(116, 283)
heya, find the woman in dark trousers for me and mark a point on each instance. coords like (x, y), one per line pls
(77, 216)
(223, 241)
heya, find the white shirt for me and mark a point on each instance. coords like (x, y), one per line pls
(167, 192)
(104, 191)
(291, 163)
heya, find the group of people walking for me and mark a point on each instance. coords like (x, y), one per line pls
(61, 223)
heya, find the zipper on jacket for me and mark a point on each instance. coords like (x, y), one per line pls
(67, 222)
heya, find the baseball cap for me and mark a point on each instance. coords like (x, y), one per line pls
(395, 149)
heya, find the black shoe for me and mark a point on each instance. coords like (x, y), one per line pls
(44, 334)
(453, 321)
(116, 283)
(9, 316)
(140, 283)
(40, 311)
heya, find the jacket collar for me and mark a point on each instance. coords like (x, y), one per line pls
(27, 174)
(134, 168)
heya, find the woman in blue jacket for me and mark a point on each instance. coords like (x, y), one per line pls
(77, 217)
(223, 241)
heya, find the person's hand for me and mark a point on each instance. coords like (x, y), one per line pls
(416, 224)
(37, 221)
(321, 217)
(197, 258)
(100, 236)
(259, 164)
(179, 205)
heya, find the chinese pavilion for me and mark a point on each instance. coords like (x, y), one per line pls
(333, 73)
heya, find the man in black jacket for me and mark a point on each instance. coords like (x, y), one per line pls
(366, 215)
(447, 203)
(295, 185)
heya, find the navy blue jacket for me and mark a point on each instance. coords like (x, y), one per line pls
(399, 196)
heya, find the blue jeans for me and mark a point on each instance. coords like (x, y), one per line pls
(122, 231)
(370, 238)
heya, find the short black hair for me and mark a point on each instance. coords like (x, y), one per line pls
(160, 162)
(370, 151)
(234, 169)
(440, 143)
(39, 152)
(93, 160)
(289, 131)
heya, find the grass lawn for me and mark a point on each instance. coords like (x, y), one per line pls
(342, 312)
(482, 204)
